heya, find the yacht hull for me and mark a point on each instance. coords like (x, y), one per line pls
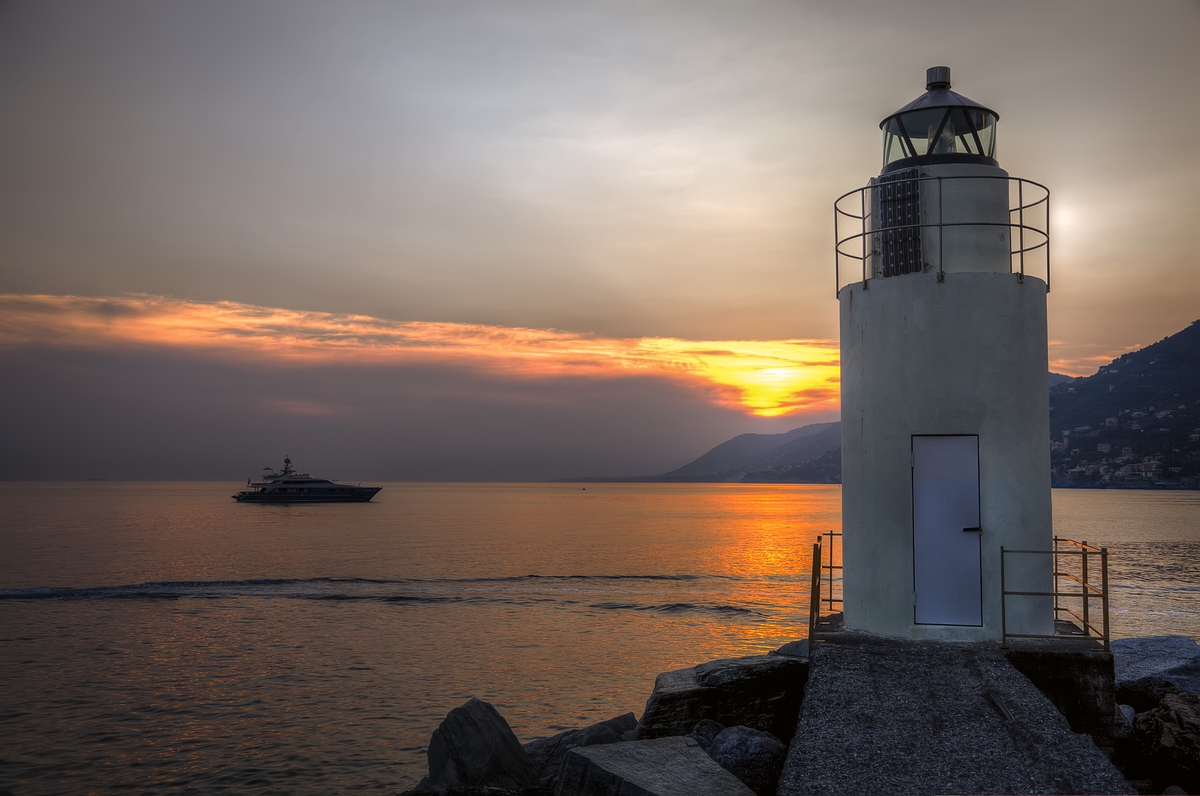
(289, 486)
(353, 497)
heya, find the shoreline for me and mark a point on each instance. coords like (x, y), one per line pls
(794, 722)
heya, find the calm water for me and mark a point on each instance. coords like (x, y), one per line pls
(160, 635)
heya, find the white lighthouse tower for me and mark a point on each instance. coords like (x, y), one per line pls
(945, 415)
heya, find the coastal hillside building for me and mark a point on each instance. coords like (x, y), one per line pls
(943, 271)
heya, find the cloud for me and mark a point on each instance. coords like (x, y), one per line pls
(151, 387)
(159, 412)
(767, 378)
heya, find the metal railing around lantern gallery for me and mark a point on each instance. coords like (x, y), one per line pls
(1029, 216)
(1075, 565)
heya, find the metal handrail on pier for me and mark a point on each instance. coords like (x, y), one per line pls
(814, 602)
(1064, 553)
(823, 580)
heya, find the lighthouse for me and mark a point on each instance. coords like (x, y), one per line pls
(943, 273)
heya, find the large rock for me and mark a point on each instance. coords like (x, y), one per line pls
(753, 756)
(546, 754)
(1172, 658)
(659, 767)
(793, 649)
(475, 747)
(705, 731)
(761, 691)
(1166, 743)
(1145, 693)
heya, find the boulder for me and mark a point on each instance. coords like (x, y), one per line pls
(658, 767)
(1165, 747)
(761, 691)
(1144, 693)
(793, 649)
(546, 754)
(1172, 658)
(676, 704)
(753, 756)
(475, 747)
(704, 732)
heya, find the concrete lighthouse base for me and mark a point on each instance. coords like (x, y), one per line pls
(966, 356)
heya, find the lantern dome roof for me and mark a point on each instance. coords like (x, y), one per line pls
(940, 96)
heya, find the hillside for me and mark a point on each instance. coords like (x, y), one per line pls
(824, 469)
(802, 455)
(737, 453)
(1135, 423)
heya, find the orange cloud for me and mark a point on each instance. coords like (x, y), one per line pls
(764, 377)
(1082, 359)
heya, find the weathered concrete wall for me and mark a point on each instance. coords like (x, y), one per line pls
(970, 194)
(964, 356)
(1079, 683)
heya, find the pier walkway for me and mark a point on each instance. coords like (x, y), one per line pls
(906, 717)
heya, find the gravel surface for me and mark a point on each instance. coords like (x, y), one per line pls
(907, 717)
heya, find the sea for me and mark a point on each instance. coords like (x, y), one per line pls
(160, 636)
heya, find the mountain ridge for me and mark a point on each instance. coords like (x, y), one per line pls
(752, 458)
(747, 452)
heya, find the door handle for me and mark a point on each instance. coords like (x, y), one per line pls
(973, 530)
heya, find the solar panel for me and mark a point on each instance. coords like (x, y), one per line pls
(899, 219)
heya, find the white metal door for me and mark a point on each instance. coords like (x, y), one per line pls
(946, 535)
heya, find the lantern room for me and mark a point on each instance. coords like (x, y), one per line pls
(940, 126)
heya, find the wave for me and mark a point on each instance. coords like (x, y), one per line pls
(551, 590)
(84, 592)
(677, 608)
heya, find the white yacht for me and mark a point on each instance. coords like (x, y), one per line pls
(289, 486)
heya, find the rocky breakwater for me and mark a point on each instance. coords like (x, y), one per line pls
(719, 728)
(1158, 695)
(891, 716)
(762, 692)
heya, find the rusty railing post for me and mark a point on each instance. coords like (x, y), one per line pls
(829, 600)
(814, 604)
(1003, 604)
(1054, 556)
(1104, 593)
(1083, 551)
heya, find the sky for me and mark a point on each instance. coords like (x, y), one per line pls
(510, 240)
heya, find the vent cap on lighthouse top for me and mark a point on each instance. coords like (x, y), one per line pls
(937, 77)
